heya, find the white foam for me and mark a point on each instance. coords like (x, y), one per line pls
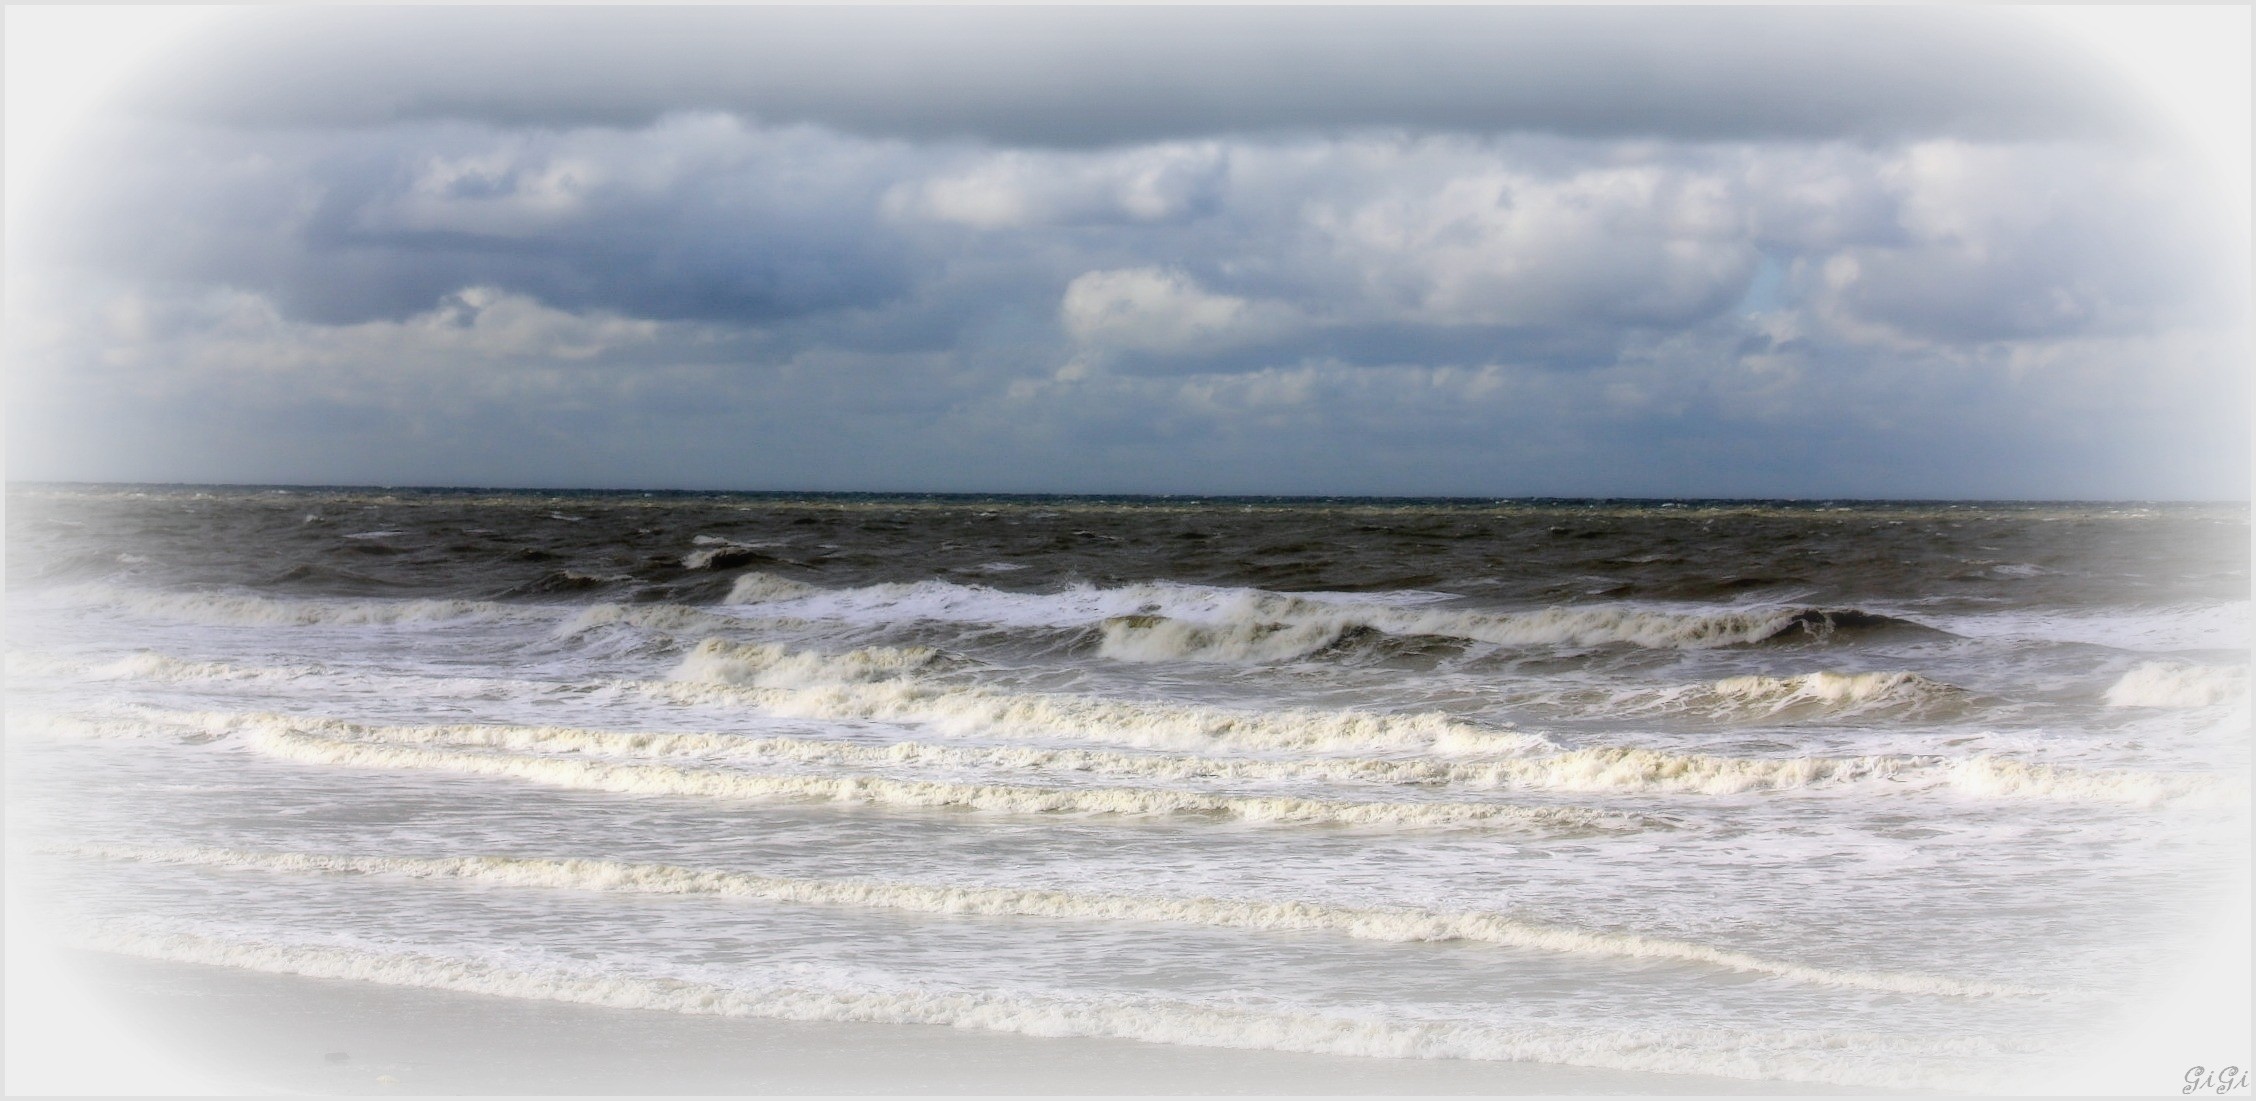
(770, 665)
(1823, 693)
(2006, 776)
(1592, 770)
(869, 685)
(1157, 638)
(1834, 691)
(674, 618)
(2170, 684)
(1163, 621)
(1800, 1055)
(759, 588)
(1397, 924)
(1271, 627)
(658, 779)
(1601, 770)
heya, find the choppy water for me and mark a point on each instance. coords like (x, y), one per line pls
(1901, 795)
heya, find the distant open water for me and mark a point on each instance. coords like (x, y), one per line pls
(1875, 794)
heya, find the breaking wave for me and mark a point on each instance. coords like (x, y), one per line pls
(1282, 628)
(2169, 684)
(1591, 771)
(720, 554)
(1585, 771)
(1798, 1055)
(1832, 691)
(830, 691)
(1176, 622)
(650, 617)
(871, 685)
(658, 779)
(1138, 623)
(759, 588)
(1398, 924)
(769, 665)
(1795, 697)
(1159, 638)
(2006, 776)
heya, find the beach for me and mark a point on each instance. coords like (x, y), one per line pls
(236, 1031)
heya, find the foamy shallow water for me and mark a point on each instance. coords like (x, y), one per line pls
(1772, 794)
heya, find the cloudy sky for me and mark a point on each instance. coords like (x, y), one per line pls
(1482, 251)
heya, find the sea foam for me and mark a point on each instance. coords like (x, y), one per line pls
(1175, 622)
(872, 684)
(1597, 770)
(1398, 924)
(1871, 1059)
(659, 779)
(2170, 684)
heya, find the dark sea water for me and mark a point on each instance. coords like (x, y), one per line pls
(1896, 794)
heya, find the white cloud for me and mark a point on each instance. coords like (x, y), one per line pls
(1643, 244)
(2022, 242)
(1158, 310)
(477, 342)
(1016, 189)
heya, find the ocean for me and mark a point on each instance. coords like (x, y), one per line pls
(1890, 794)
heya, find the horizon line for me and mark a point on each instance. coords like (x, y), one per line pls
(11, 485)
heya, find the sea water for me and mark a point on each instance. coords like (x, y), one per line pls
(1880, 794)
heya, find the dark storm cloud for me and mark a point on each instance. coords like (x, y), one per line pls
(1082, 76)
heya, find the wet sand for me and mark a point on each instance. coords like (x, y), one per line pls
(241, 1031)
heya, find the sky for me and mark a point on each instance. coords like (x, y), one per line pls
(1476, 251)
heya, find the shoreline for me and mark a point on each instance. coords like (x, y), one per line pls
(258, 1032)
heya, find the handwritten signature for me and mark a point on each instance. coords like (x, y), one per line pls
(2221, 1080)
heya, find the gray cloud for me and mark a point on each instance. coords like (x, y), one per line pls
(1082, 76)
(695, 217)
(1490, 252)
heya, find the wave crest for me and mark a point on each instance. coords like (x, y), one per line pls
(1159, 621)
(875, 684)
(1270, 627)
(656, 779)
(756, 587)
(1601, 770)
(768, 665)
(2006, 776)
(1605, 770)
(649, 617)
(2169, 684)
(1832, 691)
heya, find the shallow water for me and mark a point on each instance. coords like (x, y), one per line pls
(1874, 794)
